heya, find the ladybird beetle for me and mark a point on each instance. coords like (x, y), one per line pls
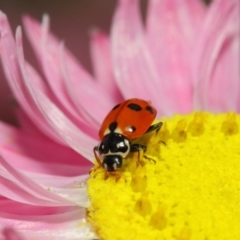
(126, 122)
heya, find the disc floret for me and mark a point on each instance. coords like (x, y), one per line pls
(190, 190)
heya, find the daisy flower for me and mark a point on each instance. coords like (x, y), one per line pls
(186, 185)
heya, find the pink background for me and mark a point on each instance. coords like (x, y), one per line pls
(70, 21)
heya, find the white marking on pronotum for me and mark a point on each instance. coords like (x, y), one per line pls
(121, 144)
(117, 130)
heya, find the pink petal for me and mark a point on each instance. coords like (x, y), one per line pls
(84, 86)
(71, 134)
(24, 151)
(14, 77)
(95, 108)
(217, 72)
(26, 124)
(20, 201)
(81, 123)
(59, 167)
(77, 195)
(71, 111)
(28, 72)
(48, 57)
(102, 64)
(72, 190)
(59, 181)
(172, 29)
(17, 186)
(66, 226)
(9, 206)
(16, 193)
(134, 69)
(40, 84)
(10, 234)
(77, 140)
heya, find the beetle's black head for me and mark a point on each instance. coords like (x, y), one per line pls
(112, 162)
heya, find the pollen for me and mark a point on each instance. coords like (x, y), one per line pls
(186, 186)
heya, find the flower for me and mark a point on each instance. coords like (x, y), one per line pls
(187, 188)
(187, 61)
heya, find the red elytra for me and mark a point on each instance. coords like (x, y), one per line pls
(133, 118)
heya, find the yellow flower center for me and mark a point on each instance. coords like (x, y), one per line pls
(185, 187)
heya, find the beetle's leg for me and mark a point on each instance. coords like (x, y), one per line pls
(95, 150)
(106, 175)
(118, 175)
(137, 148)
(155, 127)
(96, 173)
(162, 142)
(149, 159)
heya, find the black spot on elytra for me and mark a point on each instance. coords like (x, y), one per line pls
(134, 107)
(150, 109)
(116, 106)
(113, 126)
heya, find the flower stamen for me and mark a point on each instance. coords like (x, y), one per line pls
(191, 192)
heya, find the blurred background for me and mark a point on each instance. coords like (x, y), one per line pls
(70, 20)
